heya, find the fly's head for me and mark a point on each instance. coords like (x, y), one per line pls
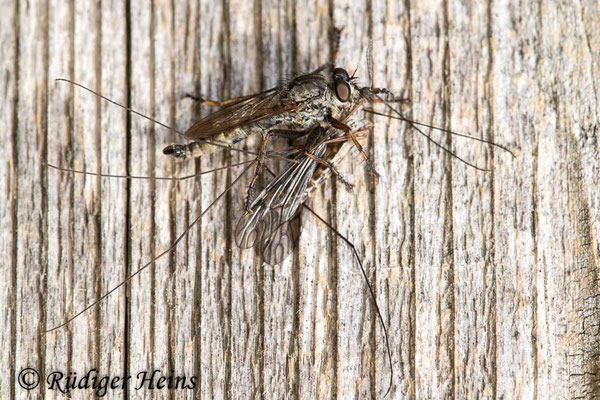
(344, 88)
(349, 94)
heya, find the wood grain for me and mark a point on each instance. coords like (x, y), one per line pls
(488, 281)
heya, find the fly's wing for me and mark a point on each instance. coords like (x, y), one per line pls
(276, 246)
(252, 109)
(272, 225)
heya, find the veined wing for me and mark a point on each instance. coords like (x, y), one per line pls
(272, 224)
(252, 109)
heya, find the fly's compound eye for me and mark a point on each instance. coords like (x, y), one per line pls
(342, 91)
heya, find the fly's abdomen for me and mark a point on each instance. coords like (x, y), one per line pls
(203, 147)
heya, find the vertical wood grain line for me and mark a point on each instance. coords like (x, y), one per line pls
(412, 238)
(225, 94)
(335, 244)
(260, 274)
(197, 291)
(489, 89)
(172, 264)
(372, 275)
(95, 348)
(128, 256)
(70, 160)
(448, 203)
(14, 200)
(43, 250)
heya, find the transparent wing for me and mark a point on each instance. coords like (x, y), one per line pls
(282, 240)
(255, 108)
(272, 224)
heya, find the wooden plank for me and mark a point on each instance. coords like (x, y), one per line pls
(113, 336)
(488, 282)
(317, 350)
(185, 333)
(514, 255)
(355, 316)
(434, 257)
(394, 202)
(60, 185)
(277, 285)
(469, 86)
(31, 219)
(215, 287)
(9, 32)
(143, 246)
(317, 297)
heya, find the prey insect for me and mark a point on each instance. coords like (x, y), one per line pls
(317, 112)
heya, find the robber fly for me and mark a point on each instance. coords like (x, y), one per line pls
(289, 110)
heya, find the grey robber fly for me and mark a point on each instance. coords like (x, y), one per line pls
(290, 110)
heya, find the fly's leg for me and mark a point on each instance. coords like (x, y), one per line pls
(348, 185)
(260, 158)
(345, 128)
(390, 98)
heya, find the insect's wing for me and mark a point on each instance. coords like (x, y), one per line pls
(274, 236)
(252, 109)
(276, 246)
(272, 224)
(252, 227)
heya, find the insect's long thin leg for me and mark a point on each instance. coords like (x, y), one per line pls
(153, 178)
(372, 292)
(345, 128)
(170, 248)
(349, 186)
(447, 151)
(402, 118)
(131, 110)
(260, 162)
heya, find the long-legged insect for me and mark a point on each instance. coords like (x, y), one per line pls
(316, 106)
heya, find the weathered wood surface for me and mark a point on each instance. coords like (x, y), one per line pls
(488, 281)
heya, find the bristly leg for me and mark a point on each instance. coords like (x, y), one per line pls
(348, 185)
(345, 128)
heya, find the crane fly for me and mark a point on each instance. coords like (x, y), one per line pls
(316, 112)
